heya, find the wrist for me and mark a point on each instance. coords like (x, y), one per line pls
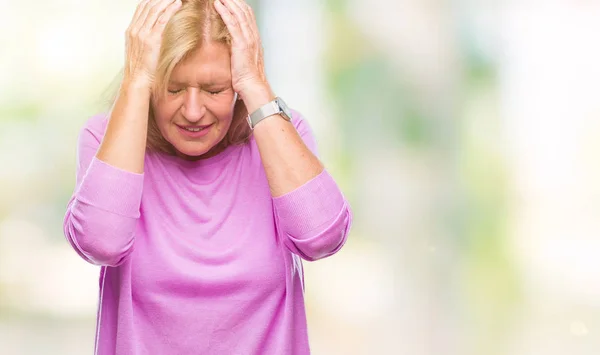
(256, 96)
(136, 84)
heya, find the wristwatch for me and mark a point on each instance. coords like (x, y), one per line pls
(275, 107)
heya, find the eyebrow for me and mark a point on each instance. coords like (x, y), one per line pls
(211, 83)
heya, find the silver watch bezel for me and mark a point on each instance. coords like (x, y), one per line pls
(275, 107)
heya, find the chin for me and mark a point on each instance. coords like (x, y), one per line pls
(193, 150)
(198, 148)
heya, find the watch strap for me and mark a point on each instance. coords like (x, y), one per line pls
(271, 108)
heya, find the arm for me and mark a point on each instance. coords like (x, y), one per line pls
(124, 144)
(103, 211)
(288, 161)
(102, 214)
(313, 217)
(127, 128)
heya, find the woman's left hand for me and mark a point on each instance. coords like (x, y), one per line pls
(247, 65)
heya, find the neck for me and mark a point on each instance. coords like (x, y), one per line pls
(217, 149)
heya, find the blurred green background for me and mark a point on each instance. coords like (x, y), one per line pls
(464, 133)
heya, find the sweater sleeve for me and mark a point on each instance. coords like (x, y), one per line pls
(102, 213)
(314, 219)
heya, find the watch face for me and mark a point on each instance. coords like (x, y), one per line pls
(286, 110)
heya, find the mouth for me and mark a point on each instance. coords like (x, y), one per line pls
(194, 131)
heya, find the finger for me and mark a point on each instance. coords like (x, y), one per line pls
(153, 12)
(230, 21)
(250, 22)
(240, 16)
(138, 18)
(164, 18)
(253, 20)
(138, 23)
(139, 10)
(242, 6)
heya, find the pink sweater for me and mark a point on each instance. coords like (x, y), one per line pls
(197, 257)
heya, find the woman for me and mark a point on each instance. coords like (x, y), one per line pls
(198, 216)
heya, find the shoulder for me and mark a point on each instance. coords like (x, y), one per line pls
(303, 128)
(305, 131)
(300, 123)
(94, 127)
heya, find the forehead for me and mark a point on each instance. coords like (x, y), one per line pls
(210, 62)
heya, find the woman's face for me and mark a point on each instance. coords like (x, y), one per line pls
(195, 114)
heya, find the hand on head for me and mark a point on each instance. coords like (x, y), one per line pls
(247, 65)
(144, 36)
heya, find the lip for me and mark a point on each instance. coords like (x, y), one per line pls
(201, 133)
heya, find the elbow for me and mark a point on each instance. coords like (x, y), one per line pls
(324, 242)
(105, 250)
(100, 243)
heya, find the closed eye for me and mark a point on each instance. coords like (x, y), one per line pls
(215, 92)
(175, 92)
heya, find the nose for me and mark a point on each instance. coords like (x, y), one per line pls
(193, 107)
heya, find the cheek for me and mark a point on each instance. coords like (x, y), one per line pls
(222, 109)
(165, 111)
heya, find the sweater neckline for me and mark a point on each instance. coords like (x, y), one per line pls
(190, 164)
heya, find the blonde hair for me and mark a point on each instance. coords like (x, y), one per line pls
(194, 23)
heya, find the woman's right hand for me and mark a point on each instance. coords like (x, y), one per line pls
(144, 37)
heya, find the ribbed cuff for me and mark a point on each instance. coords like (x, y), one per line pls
(312, 206)
(112, 189)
